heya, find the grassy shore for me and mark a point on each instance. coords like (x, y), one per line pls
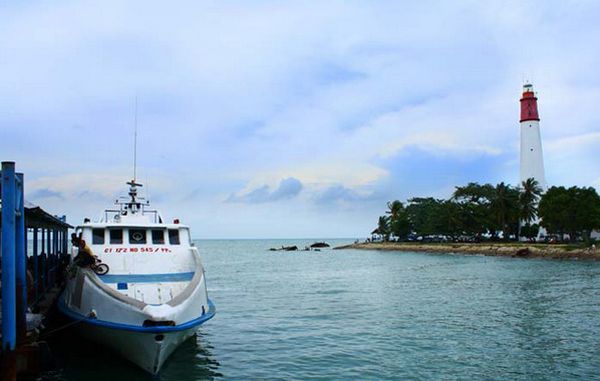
(513, 249)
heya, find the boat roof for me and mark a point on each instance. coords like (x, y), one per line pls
(131, 225)
(132, 212)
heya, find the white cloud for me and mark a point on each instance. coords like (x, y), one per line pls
(242, 95)
(287, 189)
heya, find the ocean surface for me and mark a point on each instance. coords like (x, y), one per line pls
(348, 314)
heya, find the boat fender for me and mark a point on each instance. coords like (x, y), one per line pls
(154, 323)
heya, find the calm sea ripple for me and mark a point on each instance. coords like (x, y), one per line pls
(338, 315)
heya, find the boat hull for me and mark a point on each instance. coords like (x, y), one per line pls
(142, 349)
(147, 347)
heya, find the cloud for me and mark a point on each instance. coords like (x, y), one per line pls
(351, 99)
(574, 142)
(339, 193)
(287, 189)
(79, 185)
(44, 193)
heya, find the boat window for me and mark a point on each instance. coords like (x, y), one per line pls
(174, 236)
(97, 236)
(137, 236)
(116, 236)
(158, 237)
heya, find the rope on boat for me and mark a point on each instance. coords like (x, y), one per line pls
(46, 334)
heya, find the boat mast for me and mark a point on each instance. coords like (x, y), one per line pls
(135, 141)
(134, 205)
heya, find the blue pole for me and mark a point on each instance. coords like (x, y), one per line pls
(64, 242)
(48, 259)
(20, 260)
(36, 281)
(55, 242)
(9, 307)
(55, 249)
(44, 263)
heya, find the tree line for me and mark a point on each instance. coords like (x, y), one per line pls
(502, 212)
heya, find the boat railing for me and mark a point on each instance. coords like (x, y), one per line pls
(115, 215)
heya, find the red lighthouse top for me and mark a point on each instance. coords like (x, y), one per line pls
(529, 110)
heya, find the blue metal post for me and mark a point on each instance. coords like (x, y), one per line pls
(36, 273)
(64, 242)
(55, 249)
(20, 260)
(48, 259)
(63, 218)
(44, 261)
(55, 241)
(9, 305)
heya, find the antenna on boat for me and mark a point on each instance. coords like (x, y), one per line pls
(133, 184)
(135, 141)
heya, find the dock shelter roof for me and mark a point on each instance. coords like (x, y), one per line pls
(36, 217)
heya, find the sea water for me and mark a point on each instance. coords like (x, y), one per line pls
(351, 314)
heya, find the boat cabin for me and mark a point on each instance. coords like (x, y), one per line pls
(148, 259)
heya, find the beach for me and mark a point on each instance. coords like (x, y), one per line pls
(521, 250)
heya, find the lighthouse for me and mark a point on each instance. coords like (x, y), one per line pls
(532, 159)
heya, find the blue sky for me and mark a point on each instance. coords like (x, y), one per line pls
(290, 119)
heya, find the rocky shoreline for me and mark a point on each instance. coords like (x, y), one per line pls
(492, 249)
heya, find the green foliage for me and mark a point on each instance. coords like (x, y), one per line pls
(475, 201)
(383, 228)
(476, 210)
(396, 223)
(574, 211)
(422, 213)
(554, 210)
(450, 219)
(400, 225)
(504, 209)
(474, 193)
(530, 231)
(528, 199)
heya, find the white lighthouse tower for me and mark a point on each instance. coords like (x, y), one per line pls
(532, 158)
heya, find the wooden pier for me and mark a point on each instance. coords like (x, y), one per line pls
(32, 277)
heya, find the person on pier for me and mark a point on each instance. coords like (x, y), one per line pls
(85, 257)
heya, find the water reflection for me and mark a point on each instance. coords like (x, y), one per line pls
(193, 360)
(77, 358)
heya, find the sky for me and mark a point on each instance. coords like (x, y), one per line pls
(271, 119)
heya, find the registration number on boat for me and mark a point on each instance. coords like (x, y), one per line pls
(137, 250)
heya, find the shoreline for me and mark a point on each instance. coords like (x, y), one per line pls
(513, 250)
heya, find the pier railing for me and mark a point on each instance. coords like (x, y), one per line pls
(27, 275)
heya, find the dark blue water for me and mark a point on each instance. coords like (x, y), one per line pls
(378, 315)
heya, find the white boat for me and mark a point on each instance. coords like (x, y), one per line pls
(153, 297)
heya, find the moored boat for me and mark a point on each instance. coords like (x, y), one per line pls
(154, 295)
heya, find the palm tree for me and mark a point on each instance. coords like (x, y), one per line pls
(394, 208)
(383, 227)
(528, 199)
